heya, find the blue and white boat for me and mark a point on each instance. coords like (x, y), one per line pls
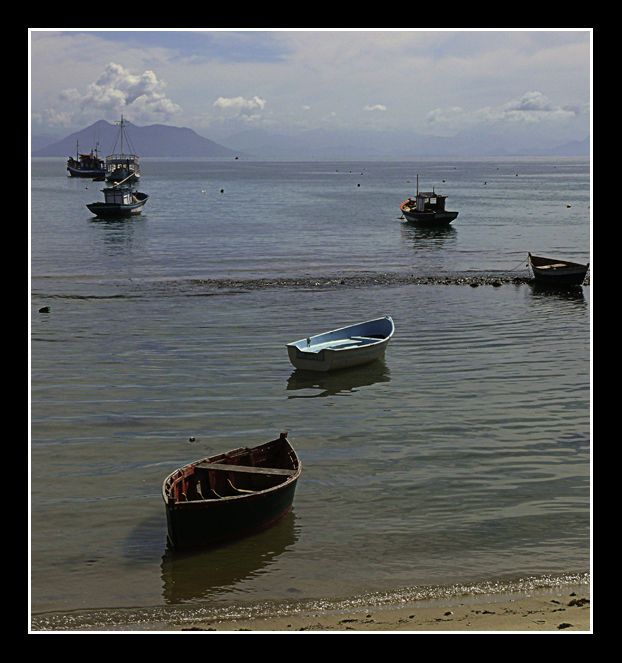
(120, 200)
(354, 345)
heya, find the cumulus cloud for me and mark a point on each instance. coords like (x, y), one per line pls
(444, 114)
(531, 107)
(232, 110)
(240, 105)
(375, 107)
(50, 117)
(115, 91)
(117, 88)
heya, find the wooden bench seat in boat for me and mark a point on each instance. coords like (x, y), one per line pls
(246, 469)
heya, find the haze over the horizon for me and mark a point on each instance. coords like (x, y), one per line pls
(528, 87)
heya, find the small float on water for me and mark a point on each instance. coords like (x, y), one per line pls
(427, 209)
(119, 200)
(353, 345)
(553, 271)
(230, 495)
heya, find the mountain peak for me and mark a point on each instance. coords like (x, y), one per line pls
(155, 140)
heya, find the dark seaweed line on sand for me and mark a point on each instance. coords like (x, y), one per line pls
(365, 280)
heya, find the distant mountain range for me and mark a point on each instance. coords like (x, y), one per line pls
(357, 144)
(158, 140)
(155, 140)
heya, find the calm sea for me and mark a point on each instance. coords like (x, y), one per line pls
(459, 464)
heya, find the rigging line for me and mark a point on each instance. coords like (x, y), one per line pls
(520, 264)
(130, 145)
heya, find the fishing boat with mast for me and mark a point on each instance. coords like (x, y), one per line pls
(119, 165)
(86, 165)
(427, 209)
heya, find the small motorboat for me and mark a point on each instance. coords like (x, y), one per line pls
(120, 200)
(552, 271)
(230, 495)
(342, 348)
(427, 209)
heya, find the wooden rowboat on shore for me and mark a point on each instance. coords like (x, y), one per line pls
(230, 495)
(348, 346)
(552, 271)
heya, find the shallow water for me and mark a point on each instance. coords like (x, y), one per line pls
(460, 460)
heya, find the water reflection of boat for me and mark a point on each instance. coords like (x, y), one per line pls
(571, 292)
(194, 576)
(331, 384)
(431, 235)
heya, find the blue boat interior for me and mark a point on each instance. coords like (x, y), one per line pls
(355, 336)
(338, 344)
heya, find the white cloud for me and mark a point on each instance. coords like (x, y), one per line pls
(531, 107)
(52, 118)
(240, 105)
(117, 88)
(115, 91)
(459, 71)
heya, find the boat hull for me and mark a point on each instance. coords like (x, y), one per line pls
(247, 490)
(82, 172)
(111, 210)
(430, 218)
(107, 210)
(198, 524)
(332, 360)
(549, 271)
(342, 348)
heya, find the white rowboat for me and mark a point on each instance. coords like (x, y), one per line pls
(354, 345)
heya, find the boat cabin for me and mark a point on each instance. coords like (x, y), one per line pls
(430, 202)
(126, 164)
(86, 161)
(118, 195)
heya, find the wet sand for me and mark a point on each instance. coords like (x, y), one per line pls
(560, 610)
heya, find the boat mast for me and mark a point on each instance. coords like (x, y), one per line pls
(417, 183)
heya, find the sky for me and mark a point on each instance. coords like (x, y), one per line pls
(220, 82)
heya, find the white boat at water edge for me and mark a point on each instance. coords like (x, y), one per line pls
(353, 345)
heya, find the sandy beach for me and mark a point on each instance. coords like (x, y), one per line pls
(554, 610)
